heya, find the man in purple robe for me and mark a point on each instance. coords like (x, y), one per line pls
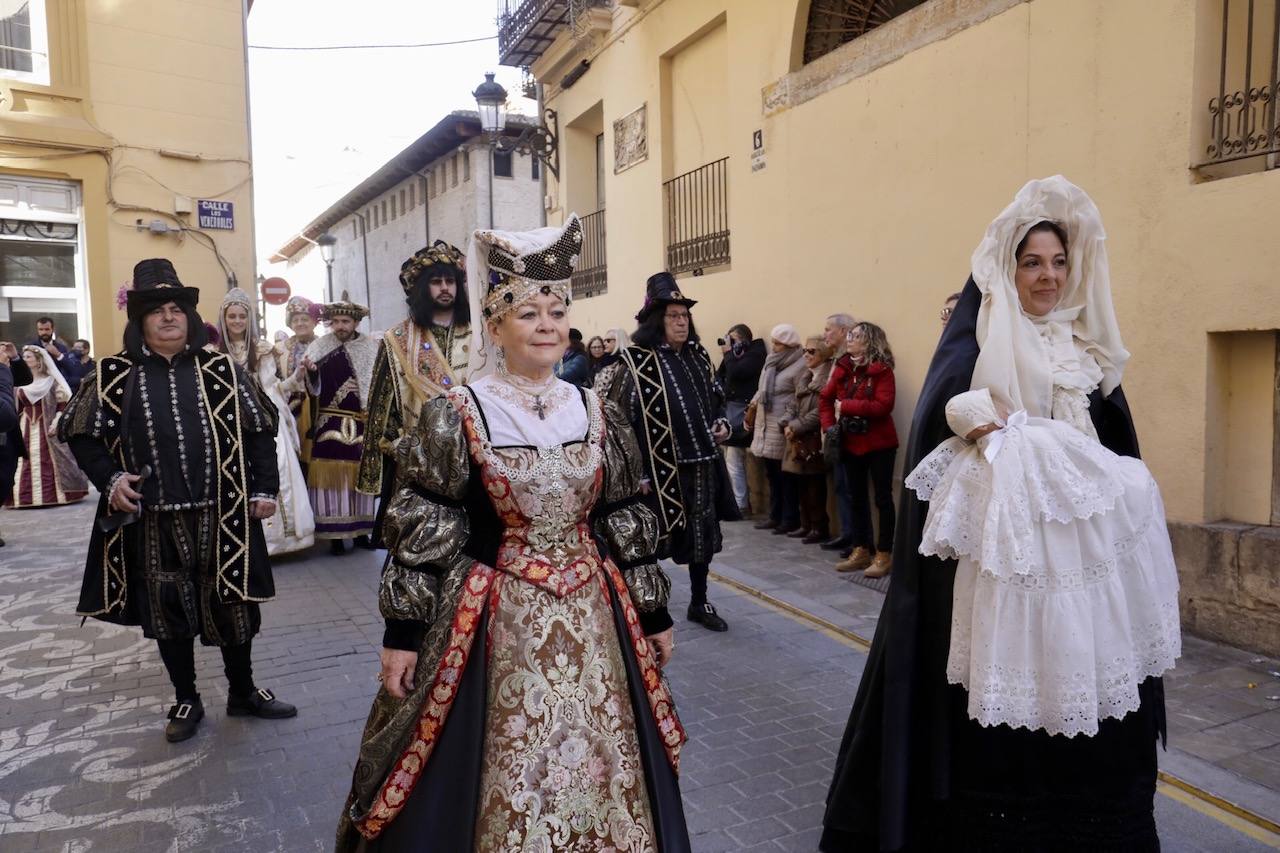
(339, 370)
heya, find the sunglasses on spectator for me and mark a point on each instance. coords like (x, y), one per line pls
(610, 340)
(810, 351)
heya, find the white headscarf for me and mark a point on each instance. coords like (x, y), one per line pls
(41, 385)
(482, 356)
(1012, 361)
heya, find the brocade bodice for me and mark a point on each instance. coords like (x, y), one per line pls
(543, 496)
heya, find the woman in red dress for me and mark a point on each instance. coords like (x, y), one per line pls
(47, 475)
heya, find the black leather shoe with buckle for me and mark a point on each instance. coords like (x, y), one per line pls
(706, 616)
(260, 703)
(184, 719)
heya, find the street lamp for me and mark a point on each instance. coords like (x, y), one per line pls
(326, 243)
(539, 141)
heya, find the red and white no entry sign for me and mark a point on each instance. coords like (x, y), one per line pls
(275, 291)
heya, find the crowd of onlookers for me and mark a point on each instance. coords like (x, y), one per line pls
(809, 411)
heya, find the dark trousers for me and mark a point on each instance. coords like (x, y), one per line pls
(878, 465)
(844, 505)
(813, 502)
(179, 658)
(784, 500)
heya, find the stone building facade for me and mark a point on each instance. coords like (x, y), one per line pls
(443, 186)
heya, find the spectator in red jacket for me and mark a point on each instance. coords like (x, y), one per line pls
(859, 401)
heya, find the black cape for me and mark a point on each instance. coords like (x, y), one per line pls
(913, 771)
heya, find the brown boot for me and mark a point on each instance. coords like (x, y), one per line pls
(880, 566)
(858, 560)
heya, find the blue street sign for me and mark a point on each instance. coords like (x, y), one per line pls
(216, 214)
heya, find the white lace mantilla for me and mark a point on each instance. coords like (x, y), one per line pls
(1066, 593)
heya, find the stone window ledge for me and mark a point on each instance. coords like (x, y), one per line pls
(910, 31)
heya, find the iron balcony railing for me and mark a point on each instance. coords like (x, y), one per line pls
(591, 278)
(697, 209)
(1242, 116)
(526, 28)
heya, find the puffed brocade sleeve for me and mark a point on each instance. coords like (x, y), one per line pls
(970, 410)
(628, 526)
(426, 524)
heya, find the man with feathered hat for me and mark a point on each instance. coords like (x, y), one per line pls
(666, 382)
(338, 369)
(300, 315)
(418, 359)
(182, 448)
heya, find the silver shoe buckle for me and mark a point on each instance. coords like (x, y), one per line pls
(184, 711)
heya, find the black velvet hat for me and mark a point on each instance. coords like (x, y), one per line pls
(156, 282)
(661, 290)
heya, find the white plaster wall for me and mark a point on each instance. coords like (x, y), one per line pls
(455, 212)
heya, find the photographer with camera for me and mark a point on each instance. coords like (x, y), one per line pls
(739, 375)
(856, 411)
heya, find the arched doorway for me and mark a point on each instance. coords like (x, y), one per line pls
(832, 23)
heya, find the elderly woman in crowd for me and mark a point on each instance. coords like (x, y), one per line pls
(803, 456)
(783, 370)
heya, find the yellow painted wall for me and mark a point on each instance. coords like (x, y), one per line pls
(695, 101)
(876, 192)
(129, 79)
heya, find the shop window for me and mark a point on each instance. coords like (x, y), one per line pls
(466, 166)
(403, 209)
(453, 171)
(413, 195)
(431, 184)
(41, 271)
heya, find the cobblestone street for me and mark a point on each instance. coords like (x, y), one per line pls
(84, 765)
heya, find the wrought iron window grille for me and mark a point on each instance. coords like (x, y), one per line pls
(697, 218)
(591, 278)
(1242, 118)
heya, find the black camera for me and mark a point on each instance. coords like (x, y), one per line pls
(853, 425)
(719, 342)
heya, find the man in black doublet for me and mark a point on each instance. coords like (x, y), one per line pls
(666, 383)
(182, 447)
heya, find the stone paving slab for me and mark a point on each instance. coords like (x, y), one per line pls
(1223, 703)
(84, 765)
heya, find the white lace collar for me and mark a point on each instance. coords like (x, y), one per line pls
(511, 411)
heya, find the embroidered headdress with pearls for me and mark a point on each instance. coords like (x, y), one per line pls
(515, 267)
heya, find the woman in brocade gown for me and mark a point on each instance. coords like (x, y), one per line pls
(523, 705)
(1012, 698)
(293, 526)
(48, 474)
